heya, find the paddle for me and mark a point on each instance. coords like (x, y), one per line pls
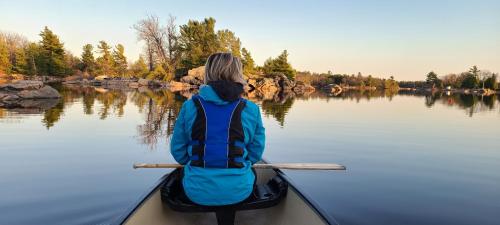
(288, 166)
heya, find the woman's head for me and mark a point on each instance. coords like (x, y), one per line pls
(224, 66)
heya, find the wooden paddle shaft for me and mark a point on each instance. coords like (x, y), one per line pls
(288, 166)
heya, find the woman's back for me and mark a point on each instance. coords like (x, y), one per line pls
(218, 136)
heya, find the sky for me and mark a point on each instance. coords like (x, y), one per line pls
(404, 39)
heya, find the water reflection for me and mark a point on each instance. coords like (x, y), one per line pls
(161, 107)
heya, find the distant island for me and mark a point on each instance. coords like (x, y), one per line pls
(174, 56)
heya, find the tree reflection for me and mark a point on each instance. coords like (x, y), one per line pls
(278, 110)
(161, 109)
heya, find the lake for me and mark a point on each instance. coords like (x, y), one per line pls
(411, 158)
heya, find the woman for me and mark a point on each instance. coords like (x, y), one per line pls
(218, 136)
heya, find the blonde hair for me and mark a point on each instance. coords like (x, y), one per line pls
(224, 66)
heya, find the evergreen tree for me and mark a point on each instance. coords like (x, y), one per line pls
(19, 64)
(470, 81)
(5, 65)
(159, 73)
(88, 60)
(370, 81)
(279, 65)
(139, 68)
(120, 60)
(491, 82)
(32, 59)
(105, 62)
(228, 42)
(248, 62)
(52, 61)
(432, 79)
(474, 70)
(197, 41)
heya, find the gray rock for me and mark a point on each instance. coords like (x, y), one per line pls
(301, 88)
(144, 82)
(9, 97)
(22, 85)
(191, 80)
(45, 92)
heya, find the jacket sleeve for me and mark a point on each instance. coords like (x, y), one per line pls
(180, 141)
(256, 147)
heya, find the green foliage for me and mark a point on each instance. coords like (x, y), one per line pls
(474, 70)
(433, 80)
(470, 80)
(197, 41)
(32, 59)
(51, 56)
(72, 63)
(88, 61)
(228, 42)
(279, 65)
(491, 82)
(139, 68)
(391, 84)
(120, 61)
(248, 62)
(370, 81)
(105, 62)
(19, 64)
(159, 73)
(5, 65)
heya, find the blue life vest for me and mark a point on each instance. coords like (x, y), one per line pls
(217, 136)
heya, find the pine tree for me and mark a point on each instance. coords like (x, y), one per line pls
(105, 62)
(88, 60)
(248, 62)
(491, 82)
(432, 79)
(19, 64)
(279, 65)
(228, 42)
(159, 73)
(198, 40)
(139, 68)
(120, 60)
(32, 59)
(51, 55)
(5, 65)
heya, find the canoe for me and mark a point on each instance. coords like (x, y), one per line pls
(295, 209)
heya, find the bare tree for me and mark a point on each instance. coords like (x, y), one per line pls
(150, 31)
(172, 42)
(483, 75)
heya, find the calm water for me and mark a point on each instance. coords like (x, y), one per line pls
(411, 159)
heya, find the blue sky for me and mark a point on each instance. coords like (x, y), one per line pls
(405, 39)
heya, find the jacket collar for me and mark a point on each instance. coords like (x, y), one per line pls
(209, 94)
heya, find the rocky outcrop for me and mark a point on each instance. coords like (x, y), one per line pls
(191, 80)
(269, 87)
(21, 90)
(303, 89)
(194, 76)
(179, 86)
(198, 73)
(21, 85)
(144, 82)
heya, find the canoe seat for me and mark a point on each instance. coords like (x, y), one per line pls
(264, 196)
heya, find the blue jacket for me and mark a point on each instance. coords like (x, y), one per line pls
(214, 186)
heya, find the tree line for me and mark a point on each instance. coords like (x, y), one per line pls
(471, 79)
(170, 50)
(325, 79)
